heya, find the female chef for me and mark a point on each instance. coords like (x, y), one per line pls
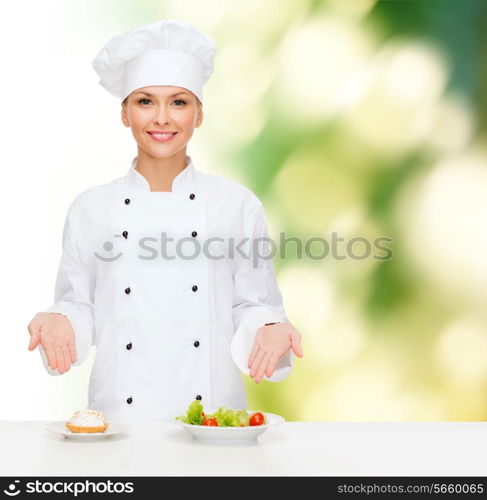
(152, 270)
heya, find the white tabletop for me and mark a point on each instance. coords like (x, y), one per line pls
(292, 448)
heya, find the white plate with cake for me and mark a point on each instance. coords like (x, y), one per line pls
(87, 424)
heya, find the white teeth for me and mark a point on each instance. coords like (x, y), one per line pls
(162, 136)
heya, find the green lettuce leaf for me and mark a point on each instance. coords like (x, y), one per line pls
(230, 418)
(243, 418)
(224, 416)
(194, 414)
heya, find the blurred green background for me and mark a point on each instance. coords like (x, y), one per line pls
(366, 119)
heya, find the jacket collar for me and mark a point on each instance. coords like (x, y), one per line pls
(181, 182)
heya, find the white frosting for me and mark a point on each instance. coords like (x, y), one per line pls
(87, 418)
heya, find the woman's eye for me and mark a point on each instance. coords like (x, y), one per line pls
(144, 100)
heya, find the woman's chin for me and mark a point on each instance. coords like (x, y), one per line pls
(159, 152)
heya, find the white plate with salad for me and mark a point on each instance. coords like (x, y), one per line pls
(226, 425)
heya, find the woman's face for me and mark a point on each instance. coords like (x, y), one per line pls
(162, 108)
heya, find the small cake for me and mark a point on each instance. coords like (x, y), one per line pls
(87, 421)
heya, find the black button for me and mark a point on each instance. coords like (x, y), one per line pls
(194, 288)
(191, 196)
(196, 343)
(129, 401)
(127, 290)
(194, 234)
(125, 234)
(127, 201)
(198, 397)
(129, 346)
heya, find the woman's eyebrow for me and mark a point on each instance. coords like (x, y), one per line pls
(152, 95)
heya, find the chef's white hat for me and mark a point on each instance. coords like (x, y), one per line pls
(166, 52)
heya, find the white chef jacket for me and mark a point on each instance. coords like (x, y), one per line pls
(163, 327)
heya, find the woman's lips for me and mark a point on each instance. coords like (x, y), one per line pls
(162, 137)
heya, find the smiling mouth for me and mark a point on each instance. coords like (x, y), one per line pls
(162, 137)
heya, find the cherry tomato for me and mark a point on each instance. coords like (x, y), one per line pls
(212, 422)
(257, 419)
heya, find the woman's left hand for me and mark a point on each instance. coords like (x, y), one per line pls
(271, 343)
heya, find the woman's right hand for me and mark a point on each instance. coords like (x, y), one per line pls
(56, 335)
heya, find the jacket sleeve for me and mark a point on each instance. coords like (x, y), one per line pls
(256, 298)
(73, 295)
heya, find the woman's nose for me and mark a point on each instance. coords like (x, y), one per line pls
(162, 115)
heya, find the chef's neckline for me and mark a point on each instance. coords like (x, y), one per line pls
(184, 178)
